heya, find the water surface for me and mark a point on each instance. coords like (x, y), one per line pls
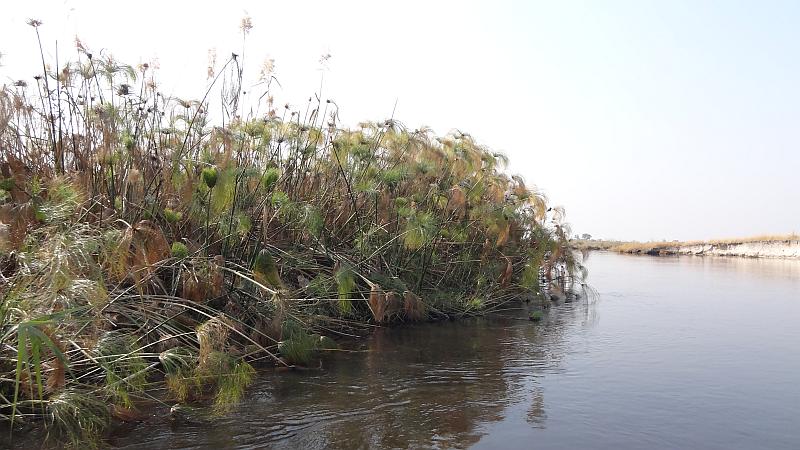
(682, 352)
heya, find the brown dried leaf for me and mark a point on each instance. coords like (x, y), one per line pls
(17, 219)
(413, 306)
(377, 303)
(503, 235)
(506, 276)
(393, 304)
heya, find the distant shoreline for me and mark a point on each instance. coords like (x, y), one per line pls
(786, 246)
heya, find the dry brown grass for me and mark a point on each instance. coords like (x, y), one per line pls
(650, 247)
(594, 244)
(760, 238)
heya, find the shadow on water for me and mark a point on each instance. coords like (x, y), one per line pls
(431, 385)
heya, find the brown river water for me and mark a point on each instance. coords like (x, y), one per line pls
(675, 353)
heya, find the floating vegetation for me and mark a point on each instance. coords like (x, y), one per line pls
(147, 242)
(297, 346)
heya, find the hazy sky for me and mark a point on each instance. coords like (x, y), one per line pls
(646, 120)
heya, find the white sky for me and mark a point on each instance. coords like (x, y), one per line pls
(646, 120)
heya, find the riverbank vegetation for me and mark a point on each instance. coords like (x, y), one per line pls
(595, 244)
(155, 248)
(672, 247)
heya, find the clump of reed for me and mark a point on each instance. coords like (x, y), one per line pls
(147, 241)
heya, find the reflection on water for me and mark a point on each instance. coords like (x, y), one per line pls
(676, 353)
(762, 268)
(432, 385)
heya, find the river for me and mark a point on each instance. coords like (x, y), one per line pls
(676, 352)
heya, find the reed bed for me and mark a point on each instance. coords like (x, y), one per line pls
(154, 248)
